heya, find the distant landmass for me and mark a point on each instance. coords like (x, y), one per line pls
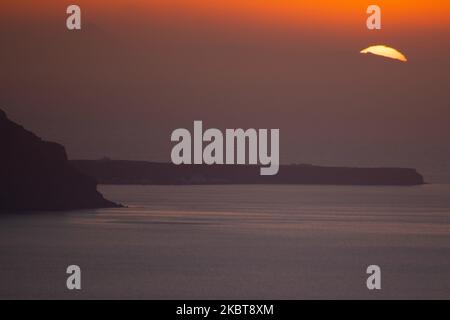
(36, 175)
(152, 173)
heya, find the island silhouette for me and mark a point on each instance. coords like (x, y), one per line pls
(123, 172)
(36, 175)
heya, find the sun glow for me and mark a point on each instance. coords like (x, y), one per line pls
(385, 51)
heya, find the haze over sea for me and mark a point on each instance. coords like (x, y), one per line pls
(235, 242)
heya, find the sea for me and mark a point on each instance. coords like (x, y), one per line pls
(235, 242)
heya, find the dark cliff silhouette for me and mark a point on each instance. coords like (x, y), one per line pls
(139, 172)
(36, 175)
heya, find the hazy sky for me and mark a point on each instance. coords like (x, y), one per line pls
(140, 69)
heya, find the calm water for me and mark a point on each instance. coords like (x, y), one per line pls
(213, 242)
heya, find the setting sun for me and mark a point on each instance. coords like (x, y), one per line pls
(385, 51)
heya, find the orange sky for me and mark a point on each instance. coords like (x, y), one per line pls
(139, 68)
(326, 14)
(323, 11)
